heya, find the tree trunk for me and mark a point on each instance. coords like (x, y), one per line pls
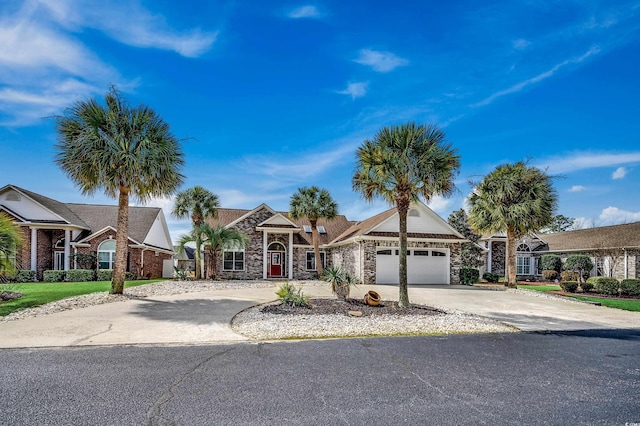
(403, 208)
(214, 264)
(511, 259)
(198, 271)
(316, 246)
(122, 242)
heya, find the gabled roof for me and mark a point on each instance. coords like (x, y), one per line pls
(60, 209)
(98, 217)
(614, 236)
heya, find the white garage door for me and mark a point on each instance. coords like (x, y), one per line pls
(424, 266)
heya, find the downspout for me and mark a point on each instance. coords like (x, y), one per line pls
(141, 272)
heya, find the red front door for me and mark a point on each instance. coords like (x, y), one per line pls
(275, 264)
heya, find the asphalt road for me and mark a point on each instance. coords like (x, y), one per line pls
(586, 377)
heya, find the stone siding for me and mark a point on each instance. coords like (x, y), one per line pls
(347, 258)
(498, 257)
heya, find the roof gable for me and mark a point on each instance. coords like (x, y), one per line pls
(278, 219)
(37, 208)
(420, 220)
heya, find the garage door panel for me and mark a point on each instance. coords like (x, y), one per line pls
(423, 266)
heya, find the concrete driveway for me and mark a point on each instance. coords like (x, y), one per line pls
(204, 317)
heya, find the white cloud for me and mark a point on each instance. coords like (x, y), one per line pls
(577, 188)
(582, 223)
(619, 173)
(380, 61)
(613, 216)
(438, 203)
(304, 12)
(538, 78)
(520, 44)
(355, 90)
(569, 162)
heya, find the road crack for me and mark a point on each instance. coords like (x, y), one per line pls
(77, 342)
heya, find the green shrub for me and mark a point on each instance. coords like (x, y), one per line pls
(630, 287)
(104, 275)
(551, 262)
(130, 276)
(80, 275)
(569, 286)
(292, 296)
(550, 274)
(569, 276)
(468, 276)
(490, 277)
(25, 276)
(605, 285)
(586, 286)
(53, 276)
(580, 262)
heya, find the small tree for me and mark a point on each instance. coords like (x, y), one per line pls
(9, 240)
(472, 255)
(559, 223)
(551, 262)
(579, 263)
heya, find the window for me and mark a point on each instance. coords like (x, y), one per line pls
(106, 254)
(421, 252)
(233, 260)
(311, 260)
(384, 252)
(438, 253)
(413, 213)
(322, 230)
(523, 265)
(307, 228)
(523, 247)
(12, 196)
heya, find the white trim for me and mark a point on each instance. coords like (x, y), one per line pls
(34, 249)
(66, 222)
(234, 251)
(280, 215)
(102, 231)
(290, 272)
(67, 248)
(306, 254)
(246, 215)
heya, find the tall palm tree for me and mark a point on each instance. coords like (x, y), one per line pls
(313, 203)
(10, 238)
(401, 164)
(515, 198)
(122, 150)
(200, 204)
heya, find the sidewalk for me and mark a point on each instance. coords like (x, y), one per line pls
(204, 317)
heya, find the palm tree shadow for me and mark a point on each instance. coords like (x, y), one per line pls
(192, 311)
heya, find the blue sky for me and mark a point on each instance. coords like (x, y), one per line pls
(271, 96)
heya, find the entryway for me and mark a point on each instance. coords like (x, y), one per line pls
(276, 260)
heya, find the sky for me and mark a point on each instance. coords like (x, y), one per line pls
(270, 96)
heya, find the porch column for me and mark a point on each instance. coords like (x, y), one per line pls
(290, 255)
(626, 264)
(34, 249)
(264, 254)
(489, 258)
(67, 248)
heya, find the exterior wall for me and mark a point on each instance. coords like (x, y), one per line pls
(498, 257)
(347, 257)
(46, 240)
(152, 263)
(300, 271)
(23, 254)
(368, 261)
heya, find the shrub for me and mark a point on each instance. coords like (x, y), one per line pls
(569, 286)
(605, 285)
(586, 286)
(25, 276)
(292, 296)
(568, 276)
(580, 262)
(80, 275)
(551, 262)
(630, 287)
(550, 274)
(468, 276)
(130, 276)
(104, 275)
(53, 276)
(340, 279)
(491, 277)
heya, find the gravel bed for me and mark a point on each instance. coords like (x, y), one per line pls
(256, 324)
(534, 293)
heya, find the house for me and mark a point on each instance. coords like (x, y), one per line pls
(56, 234)
(614, 250)
(185, 259)
(280, 247)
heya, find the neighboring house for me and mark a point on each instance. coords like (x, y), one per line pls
(280, 247)
(54, 232)
(614, 250)
(185, 260)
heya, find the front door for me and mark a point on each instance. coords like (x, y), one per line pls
(275, 263)
(58, 261)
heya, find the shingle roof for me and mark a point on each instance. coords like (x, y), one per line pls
(360, 228)
(98, 217)
(333, 227)
(627, 235)
(61, 209)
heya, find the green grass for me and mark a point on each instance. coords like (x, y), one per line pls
(36, 294)
(627, 305)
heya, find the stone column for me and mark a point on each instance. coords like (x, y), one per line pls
(291, 255)
(67, 248)
(34, 249)
(264, 254)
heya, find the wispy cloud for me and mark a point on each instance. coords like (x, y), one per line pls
(520, 44)
(614, 215)
(380, 61)
(307, 11)
(594, 50)
(619, 173)
(355, 90)
(577, 188)
(439, 204)
(586, 160)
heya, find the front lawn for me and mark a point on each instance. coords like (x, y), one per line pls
(625, 304)
(36, 294)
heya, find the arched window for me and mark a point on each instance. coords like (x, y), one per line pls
(106, 254)
(523, 247)
(524, 265)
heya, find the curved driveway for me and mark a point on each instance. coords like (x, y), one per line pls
(204, 317)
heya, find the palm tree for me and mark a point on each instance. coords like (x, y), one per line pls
(514, 198)
(217, 238)
(10, 238)
(200, 204)
(123, 151)
(401, 164)
(313, 203)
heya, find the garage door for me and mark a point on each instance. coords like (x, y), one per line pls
(424, 266)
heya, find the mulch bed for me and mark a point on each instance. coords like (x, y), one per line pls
(9, 295)
(333, 306)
